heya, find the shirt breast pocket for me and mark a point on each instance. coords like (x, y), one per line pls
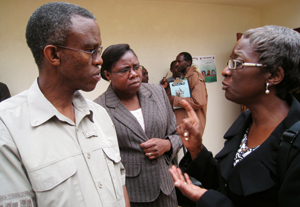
(113, 162)
(55, 184)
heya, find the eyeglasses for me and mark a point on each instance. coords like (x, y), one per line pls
(239, 64)
(93, 53)
(126, 71)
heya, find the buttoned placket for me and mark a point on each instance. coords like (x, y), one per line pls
(86, 146)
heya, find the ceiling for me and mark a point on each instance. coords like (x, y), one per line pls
(248, 3)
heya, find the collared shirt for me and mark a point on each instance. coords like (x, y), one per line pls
(48, 160)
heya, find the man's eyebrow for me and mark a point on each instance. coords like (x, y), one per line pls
(90, 45)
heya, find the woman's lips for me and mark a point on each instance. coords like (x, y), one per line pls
(225, 86)
(135, 82)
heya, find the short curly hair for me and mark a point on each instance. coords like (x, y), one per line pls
(187, 57)
(278, 47)
(112, 55)
(49, 25)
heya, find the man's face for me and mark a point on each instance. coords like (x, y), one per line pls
(174, 70)
(145, 77)
(181, 64)
(78, 69)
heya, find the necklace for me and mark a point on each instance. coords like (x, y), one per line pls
(244, 141)
(243, 150)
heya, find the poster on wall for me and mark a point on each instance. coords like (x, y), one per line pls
(207, 66)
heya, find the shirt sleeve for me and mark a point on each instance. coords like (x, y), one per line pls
(289, 191)
(15, 187)
(123, 173)
(204, 168)
(212, 198)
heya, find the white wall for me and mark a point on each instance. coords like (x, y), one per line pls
(156, 30)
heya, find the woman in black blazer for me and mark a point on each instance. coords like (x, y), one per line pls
(264, 68)
(145, 126)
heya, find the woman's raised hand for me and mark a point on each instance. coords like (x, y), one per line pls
(189, 131)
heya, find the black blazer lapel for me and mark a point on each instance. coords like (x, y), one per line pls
(243, 179)
(233, 139)
(258, 171)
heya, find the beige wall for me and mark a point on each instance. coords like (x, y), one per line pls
(282, 13)
(157, 31)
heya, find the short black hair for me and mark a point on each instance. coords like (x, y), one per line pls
(187, 57)
(172, 63)
(50, 24)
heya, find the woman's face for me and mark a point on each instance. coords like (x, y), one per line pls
(125, 84)
(246, 85)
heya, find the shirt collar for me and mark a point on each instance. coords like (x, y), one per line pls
(41, 110)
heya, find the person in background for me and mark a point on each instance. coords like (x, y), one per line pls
(262, 71)
(4, 92)
(165, 84)
(173, 71)
(175, 75)
(198, 98)
(56, 147)
(145, 125)
(145, 77)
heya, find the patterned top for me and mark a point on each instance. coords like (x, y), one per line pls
(243, 150)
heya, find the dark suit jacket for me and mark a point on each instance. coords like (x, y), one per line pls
(254, 180)
(145, 178)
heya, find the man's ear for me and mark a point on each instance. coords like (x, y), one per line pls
(107, 75)
(52, 55)
(276, 77)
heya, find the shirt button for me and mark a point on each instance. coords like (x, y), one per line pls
(99, 185)
(88, 156)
